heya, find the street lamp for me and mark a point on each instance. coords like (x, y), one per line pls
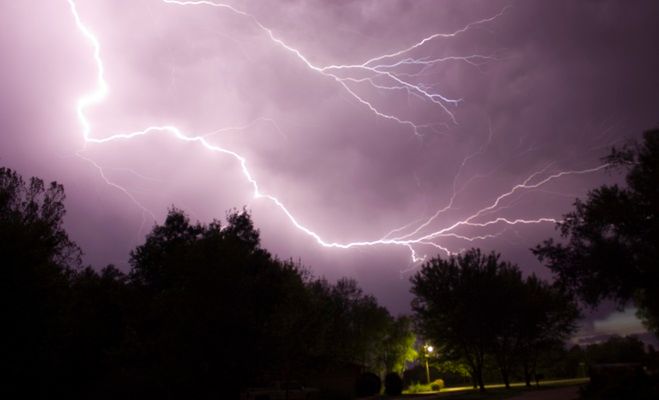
(428, 351)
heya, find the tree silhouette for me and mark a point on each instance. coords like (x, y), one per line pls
(353, 328)
(611, 247)
(219, 306)
(37, 257)
(460, 302)
(478, 309)
(204, 311)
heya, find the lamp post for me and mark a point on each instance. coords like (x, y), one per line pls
(428, 351)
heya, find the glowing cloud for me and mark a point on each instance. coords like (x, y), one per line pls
(396, 71)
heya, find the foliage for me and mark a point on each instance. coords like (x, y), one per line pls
(612, 238)
(201, 283)
(454, 367)
(37, 259)
(398, 347)
(417, 387)
(393, 384)
(31, 217)
(482, 311)
(350, 326)
(437, 385)
(202, 310)
(460, 302)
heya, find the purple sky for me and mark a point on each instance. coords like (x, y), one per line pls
(351, 149)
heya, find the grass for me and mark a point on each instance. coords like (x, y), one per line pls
(496, 391)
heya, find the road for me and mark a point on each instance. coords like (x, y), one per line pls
(561, 393)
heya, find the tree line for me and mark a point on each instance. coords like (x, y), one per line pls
(205, 311)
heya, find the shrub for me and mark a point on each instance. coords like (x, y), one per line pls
(368, 384)
(437, 385)
(417, 387)
(393, 384)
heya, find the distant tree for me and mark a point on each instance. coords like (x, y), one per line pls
(455, 371)
(355, 327)
(616, 349)
(611, 247)
(460, 302)
(36, 257)
(398, 346)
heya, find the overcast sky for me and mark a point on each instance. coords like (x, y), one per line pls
(352, 119)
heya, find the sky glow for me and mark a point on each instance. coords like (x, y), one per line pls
(364, 136)
(382, 66)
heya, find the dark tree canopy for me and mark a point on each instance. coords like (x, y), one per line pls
(460, 303)
(611, 239)
(478, 309)
(37, 257)
(351, 327)
(203, 312)
(219, 307)
(31, 218)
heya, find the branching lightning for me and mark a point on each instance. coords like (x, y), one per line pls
(380, 72)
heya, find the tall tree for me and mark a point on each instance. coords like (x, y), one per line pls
(460, 303)
(218, 307)
(611, 240)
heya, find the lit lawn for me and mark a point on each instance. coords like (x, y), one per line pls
(496, 391)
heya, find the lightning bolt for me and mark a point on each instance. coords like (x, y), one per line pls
(380, 74)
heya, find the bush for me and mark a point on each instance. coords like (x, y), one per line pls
(437, 385)
(393, 384)
(368, 384)
(417, 387)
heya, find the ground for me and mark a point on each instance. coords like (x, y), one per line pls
(550, 390)
(561, 393)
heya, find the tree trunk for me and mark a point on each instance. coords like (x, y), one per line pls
(527, 374)
(505, 377)
(479, 378)
(504, 368)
